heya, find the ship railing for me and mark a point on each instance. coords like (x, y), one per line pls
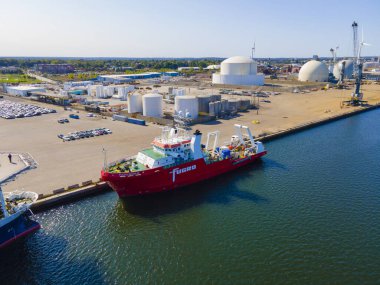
(120, 161)
(177, 163)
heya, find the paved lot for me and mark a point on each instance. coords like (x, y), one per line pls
(65, 163)
(9, 168)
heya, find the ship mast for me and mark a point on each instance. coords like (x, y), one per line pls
(105, 158)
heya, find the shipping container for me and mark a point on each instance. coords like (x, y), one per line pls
(136, 121)
(120, 118)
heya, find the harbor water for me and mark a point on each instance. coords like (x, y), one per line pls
(308, 213)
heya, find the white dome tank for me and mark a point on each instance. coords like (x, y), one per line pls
(186, 104)
(348, 69)
(135, 103)
(314, 71)
(238, 65)
(152, 105)
(238, 70)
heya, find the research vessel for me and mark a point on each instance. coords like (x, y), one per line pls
(178, 159)
(15, 216)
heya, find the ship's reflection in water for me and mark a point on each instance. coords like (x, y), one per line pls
(220, 190)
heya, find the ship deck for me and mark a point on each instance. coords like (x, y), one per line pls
(123, 167)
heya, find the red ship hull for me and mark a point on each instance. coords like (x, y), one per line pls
(166, 179)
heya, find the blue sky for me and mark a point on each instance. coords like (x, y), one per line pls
(180, 28)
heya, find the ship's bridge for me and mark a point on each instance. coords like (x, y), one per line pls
(173, 146)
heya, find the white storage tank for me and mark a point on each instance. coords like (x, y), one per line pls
(203, 103)
(179, 92)
(233, 105)
(135, 103)
(99, 91)
(212, 111)
(122, 92)
(186, 105)
(130, 88)
(109, 91)
(244, 104)
(216, 97)
(152, 105)
(218, 108)
(89, 90)
(224, 106)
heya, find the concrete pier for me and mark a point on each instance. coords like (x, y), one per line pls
(63, 196)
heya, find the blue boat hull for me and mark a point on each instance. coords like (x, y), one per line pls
(17, 228)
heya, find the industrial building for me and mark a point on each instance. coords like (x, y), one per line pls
(188, 68)
(124, 78)
(54, 68)
(23, 90)
(238, 70)
(213, 67)
(314, 71)
(70, 84)
(171, 73)
(371, 64)
(9, 69)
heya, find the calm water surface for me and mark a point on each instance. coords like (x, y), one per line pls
(309, 213)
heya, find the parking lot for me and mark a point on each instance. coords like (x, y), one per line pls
(13, 110)
(84, 134)
(61, 164)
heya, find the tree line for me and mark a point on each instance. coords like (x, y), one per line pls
(108, 64)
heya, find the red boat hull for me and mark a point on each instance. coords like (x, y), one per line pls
(161, 179)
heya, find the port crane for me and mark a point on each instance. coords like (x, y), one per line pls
(357, 96)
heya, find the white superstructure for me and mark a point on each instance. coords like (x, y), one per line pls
(238, 70)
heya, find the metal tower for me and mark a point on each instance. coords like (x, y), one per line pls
(355, 45)
(253, 50)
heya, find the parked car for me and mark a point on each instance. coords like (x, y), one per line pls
(84, 134)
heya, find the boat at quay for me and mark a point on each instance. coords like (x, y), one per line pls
(177, 159)
(15, 216)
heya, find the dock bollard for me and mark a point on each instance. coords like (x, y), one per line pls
(86, 183)
(74, 186)
(60, 190)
